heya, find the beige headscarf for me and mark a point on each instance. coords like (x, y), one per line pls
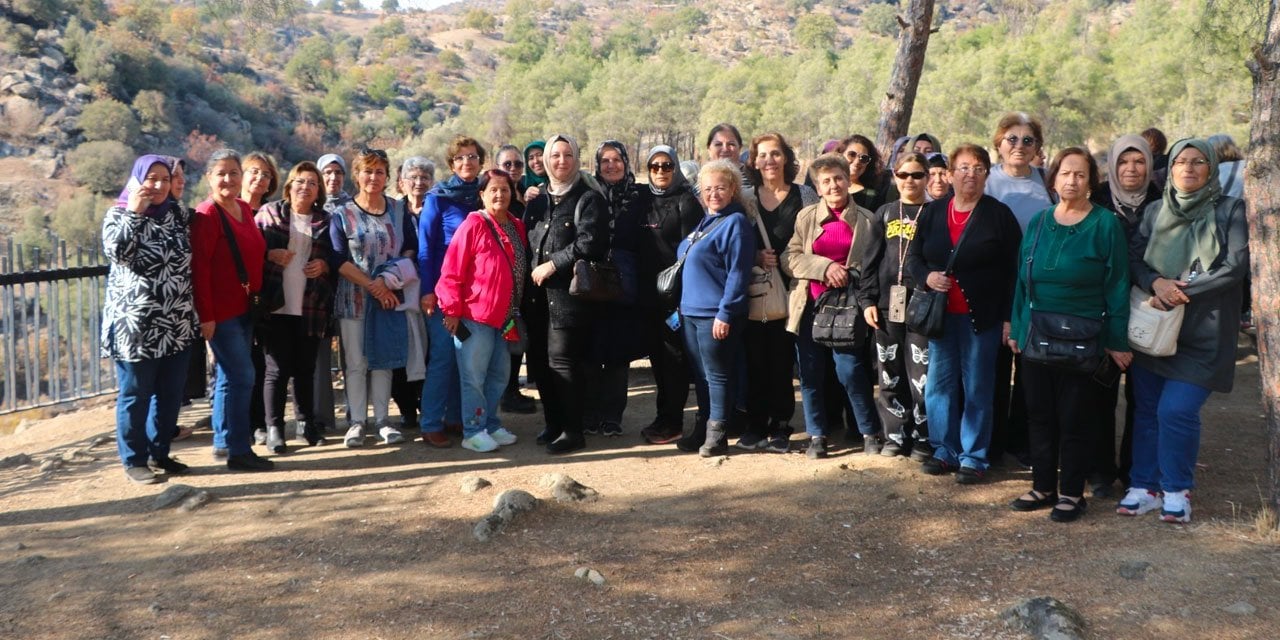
(555, 187)
(1119, 195)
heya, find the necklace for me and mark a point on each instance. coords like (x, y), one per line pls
(903, 223)
(951, 214)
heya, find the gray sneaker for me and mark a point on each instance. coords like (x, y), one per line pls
(355, 436)
(259, 436)
(390, 434)
(751, 442)
(817, 448)
(141, 475)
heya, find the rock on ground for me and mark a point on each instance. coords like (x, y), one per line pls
(195, 501)
(15, 460)
(1241, 608)
(506, 507)
(566, 489)
(472, 484)
(172, 495)
(1045, 618)
(1134, 570)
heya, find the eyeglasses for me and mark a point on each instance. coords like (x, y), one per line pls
(914, 175)
(301, 183)
(257, 172)
(466, 157)
(419, 179)
(1027, 141)
(971, 171)
(662, 167)
(860, 157)
(514, 164)
(1194, 164)
(366, 151)
(716, 191)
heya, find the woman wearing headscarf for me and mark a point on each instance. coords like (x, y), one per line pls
(148, 319)
(567, 221)
(535, 171)
(443, 210)
(616, 338)
(674, 214)
(1192, 249)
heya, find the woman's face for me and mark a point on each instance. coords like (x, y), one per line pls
(771, 161)
(224, 179)
(415, 183)
(612, 168)
(257, 177)
(661, 171)
(535, 162)
(1190, 170)
(304, 189)
(333, 176)
(157, 184)
(372, 178)
(1018, 146)
(969, 176)
(859, 158)
(466, 163)
(939, 183)
(561, 163)
(496, 196)
(1072, 179)
(1131, 170)
(924, 146)
(910, 178)
(833, 186)
(718, 191)
(509, 160)
(178, 184)
(724, 146)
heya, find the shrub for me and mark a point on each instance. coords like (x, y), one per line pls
(102, 166)
(154, 114)
(78, 221)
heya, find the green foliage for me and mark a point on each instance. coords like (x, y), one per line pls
(451, 60)
(94, 57)
(78, 220)
(17, 38)
(480, 20)
(381, 87)
(528, 42)
(353, 5)
(154, 113)
(35, 229)
(881, 19)
(332, 6)
(109, 120)
(815, 31)
(390, 6)
(338, 101)
(631, 37)
(312, 65)
(101, 166)
(382, 32)
(41, 12)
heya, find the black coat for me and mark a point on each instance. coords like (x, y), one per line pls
(554, 237)
(618, 337)
(1129, 218)
(986, 267)
(670, 219)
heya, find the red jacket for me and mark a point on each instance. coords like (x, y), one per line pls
(475, 280)
(218, 293)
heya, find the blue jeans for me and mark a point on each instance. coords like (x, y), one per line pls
(961, 374)
(711, 362)
(441, 389)
(483, 366)
(1166, 431)
(231, 343)
(150, 395)
(853, 372)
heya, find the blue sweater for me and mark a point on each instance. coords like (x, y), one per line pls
(718, 268)
(440, 217)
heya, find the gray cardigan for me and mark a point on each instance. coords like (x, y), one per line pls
(1207, 343)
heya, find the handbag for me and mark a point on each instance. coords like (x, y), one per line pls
(766, 294)
(1060, 340)
(595, 280)
(260, 306)
(927, 308)
(669, 279)
(514, 330)
(837, 318)
(1152, 331)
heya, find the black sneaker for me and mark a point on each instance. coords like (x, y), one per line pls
(249, 462)
(921, 451)
(172, 467)
(592, 429)
(780, 438)
(891, 448)
(515, 402)
(566, 443)
(936, 467)
(610, 429)
(872, 444)
(751, 442)
(969, 475)
(547, 436)
(817, 448)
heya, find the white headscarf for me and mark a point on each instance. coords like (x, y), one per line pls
(555, 187)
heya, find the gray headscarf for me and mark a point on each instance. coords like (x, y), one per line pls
(555, 187)
(1119, 195)
(1185, 228)
(677, 176)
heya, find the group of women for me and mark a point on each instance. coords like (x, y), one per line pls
(718, 283)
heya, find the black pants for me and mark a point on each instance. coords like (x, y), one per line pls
(670, 368)
(290, 354)
(407, 395)
(1009, 413)
(322, 386)
(1060, 408)
(557, 357)
(197, 384)
(902, 359)
(257, 406)
(606, 397)
(1105, 468)
(771, 360)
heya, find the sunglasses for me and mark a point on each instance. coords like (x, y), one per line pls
(860, 157)
(513, 164)
(914, 175)
(1027, 141)
(661, 167)
(366, 151)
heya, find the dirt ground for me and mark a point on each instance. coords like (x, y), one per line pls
(376, 543)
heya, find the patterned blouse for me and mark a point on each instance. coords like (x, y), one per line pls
(367, 240)
(150, 311)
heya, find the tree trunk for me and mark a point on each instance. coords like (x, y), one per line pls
(900, 100)
(1262, 192)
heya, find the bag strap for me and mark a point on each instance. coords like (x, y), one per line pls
(697, 235)
(227, 231)
(493, 229)
(1031, 258)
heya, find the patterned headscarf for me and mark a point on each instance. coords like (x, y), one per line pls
(620, 192)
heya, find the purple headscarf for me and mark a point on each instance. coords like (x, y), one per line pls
(140, 168)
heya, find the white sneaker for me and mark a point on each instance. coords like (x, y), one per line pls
(355, 436)
(390, 435)
(503, 437)
(1137, 502)
(300, 431)
(481, 443)
(259, 436)
(1177, 506)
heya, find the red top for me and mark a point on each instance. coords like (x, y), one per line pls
(218, 293)
(833, 243)
(956, 220)
(475, 279)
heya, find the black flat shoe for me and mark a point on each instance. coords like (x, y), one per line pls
(1074, 509)
(1036, 503)
(172, 467)
(249, 462)
(567, 443)
(547, 437)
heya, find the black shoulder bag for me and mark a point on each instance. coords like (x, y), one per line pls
(927, 309)
(1060, 340)
(260, 307)
(597, 280)
(669, 279)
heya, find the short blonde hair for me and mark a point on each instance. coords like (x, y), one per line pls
(726, 169)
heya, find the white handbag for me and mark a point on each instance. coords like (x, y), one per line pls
(1152, 331)
(766, 294)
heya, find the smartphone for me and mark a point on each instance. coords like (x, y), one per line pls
(1108, 372)
(462, 332)
(673, 321)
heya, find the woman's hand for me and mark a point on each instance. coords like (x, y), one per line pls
(281, 257)
(766, 258)
(719, 329)
(206, 330)
(428, 304)
(938, 281)
(542, 272)
(872, 315)
(451, 324)
(378, 289)
(1169, 292)
(1006, 336)
(531, 193)
(139, 199)
(315, 268)
(837, 276)
(1122, 358)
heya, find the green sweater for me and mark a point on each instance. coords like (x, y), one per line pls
(1082, 269)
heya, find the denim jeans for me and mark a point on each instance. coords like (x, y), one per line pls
(232, 345)
(959, 394)
(853, 372)
(150, 395)
(713, 365)
(441, 389)
(483, 365)
(363, 385)
(1166, 431)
